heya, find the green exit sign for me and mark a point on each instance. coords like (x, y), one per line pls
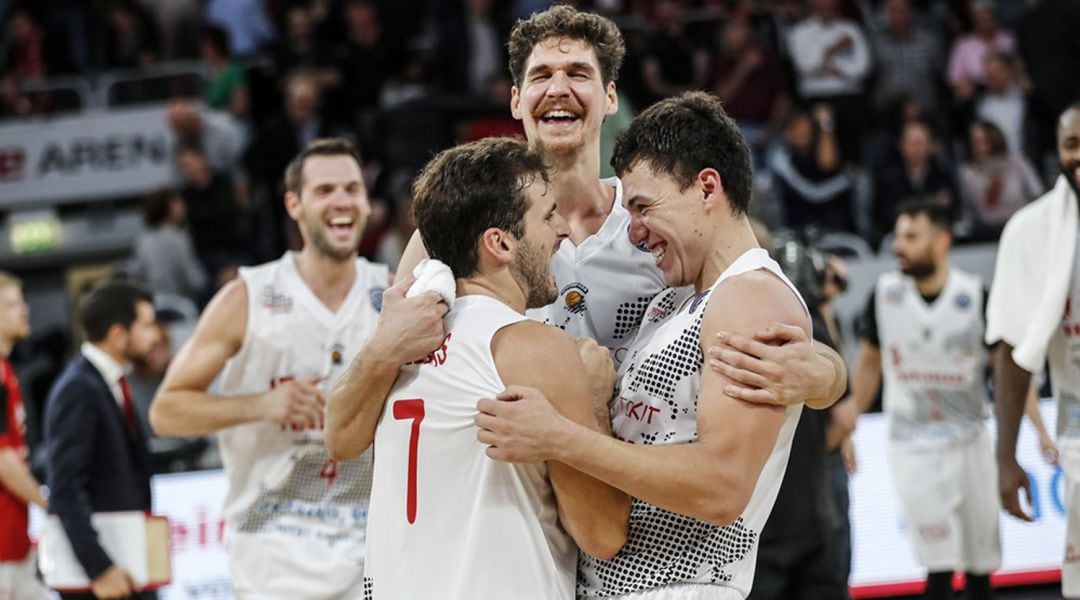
(37, 233)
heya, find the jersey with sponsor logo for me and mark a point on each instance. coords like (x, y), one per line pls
(14, 515)
(604, 284)
(447, 521)
(657, 404)
(1064, 358)
(933, 358)
(295, 519)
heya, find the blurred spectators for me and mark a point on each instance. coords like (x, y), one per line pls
(31, 55)
(165, 256)
(749, 78)
(214, 215)
(393, 242)
(908, 59)
(919, 173)
(994, 182)
(1002, 99)
(299, 49)
(832, 60)
(495, 118)
(471, 34)
(228, 89)
(248, 25)
(1050, 47)
(810, 184)
(967, 60)
(220, 139)
(673, 62)
(365, 58)
(178, 24)
(131, 38)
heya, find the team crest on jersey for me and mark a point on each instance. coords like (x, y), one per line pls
(574, 298)
(963, 301)
(337, 353)
(276, 302)
(375, 294)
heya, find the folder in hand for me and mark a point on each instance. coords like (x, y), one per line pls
(134, 540)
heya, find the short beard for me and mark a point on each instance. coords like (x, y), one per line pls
(533, 274)
(919, 270)
(1071, 171)
(559, 155)
(323, 245)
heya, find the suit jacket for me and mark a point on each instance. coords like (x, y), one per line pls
(94, 462)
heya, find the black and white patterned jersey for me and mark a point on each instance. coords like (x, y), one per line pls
(657, 404)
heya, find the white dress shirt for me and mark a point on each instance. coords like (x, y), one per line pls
(111, 371)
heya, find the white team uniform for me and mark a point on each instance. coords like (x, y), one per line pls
(604, 284)
(295, 519)
(933, 362)
(667, 555)
(1064, 358)
(448, 522)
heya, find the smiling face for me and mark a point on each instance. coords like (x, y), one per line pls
(669, 221)
(562, 100)
(14, 314)
(332, 206)
(545, 229)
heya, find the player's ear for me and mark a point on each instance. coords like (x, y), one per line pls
(292, 205)
(515, 102)
(497, 244)
(712, 189)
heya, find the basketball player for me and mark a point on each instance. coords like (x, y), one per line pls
(564, 64)
(277, 336)
(923, 327)
(1032, 317)
(703, 467)
(18, 488)
(447, 521)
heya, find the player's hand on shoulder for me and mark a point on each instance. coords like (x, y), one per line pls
(599, 368)
(778, 365)
(115, 582)
(296, 404)
(520, 425)
(409, 328)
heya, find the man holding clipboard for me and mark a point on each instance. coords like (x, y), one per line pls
(97, 455)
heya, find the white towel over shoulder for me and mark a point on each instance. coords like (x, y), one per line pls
(1031, 278)
(434, 276)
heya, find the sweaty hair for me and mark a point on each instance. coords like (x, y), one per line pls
(938, 213)
(681, 136)
(294, 173)
(112, 303)
(567, 22)
(469, 189)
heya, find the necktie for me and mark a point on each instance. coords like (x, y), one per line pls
(128, 407)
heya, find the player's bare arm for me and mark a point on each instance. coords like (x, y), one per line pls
(866, 380)
(1011, 384)
(711, 480)
(780, 364)
(408, 330)
(16, 478)
(182, 405)
(593, 513)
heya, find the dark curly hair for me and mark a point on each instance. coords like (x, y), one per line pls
(567, 22)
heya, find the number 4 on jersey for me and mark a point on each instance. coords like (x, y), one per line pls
(403, 410)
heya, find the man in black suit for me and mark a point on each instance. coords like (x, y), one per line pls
(96, 450)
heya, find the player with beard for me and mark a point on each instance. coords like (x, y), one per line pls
(923, 328)
(564, 64)
(511, 528)
(1033, 317)
(276, 337)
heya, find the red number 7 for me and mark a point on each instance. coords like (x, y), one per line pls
(411, 409)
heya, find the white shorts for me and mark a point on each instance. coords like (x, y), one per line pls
(18, 580)
(683, 591)
(951, 504)
(1070, 567)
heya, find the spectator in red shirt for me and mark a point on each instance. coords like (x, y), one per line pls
(18, 487)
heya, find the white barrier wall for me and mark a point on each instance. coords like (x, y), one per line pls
(883, 563)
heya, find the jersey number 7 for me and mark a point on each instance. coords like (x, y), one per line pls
(411, 409)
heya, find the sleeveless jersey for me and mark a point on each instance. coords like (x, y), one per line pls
(447, 521)
(295, 519)
(933, 358)
(604, 284)
(1064, 358)
(657, 404)
(14, 513)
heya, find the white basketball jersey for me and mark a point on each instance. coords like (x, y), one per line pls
(933, 358)
(604, 284)
(448, 522)
(657, 404)
(295, 519)
(1064, 358)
